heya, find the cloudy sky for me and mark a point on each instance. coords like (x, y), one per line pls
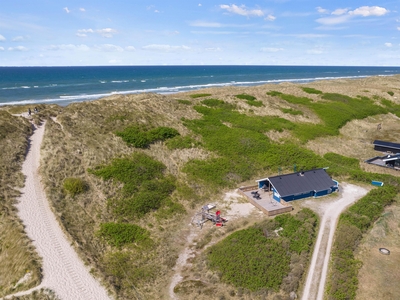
(160, 32)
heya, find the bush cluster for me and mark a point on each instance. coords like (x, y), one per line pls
(120, 234)
(145, 186)
(140, 138)
(311, 90)
(250, 100)
(74, 186)
(181, 142)
(194, 96)
(257, 258)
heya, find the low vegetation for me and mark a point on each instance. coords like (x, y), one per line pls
(74, 186)
(269, 255)
(131, 221)
(250, 100)
(141, 138)
(194, 96)
(121, 234)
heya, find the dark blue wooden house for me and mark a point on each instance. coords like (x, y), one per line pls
(294, 186)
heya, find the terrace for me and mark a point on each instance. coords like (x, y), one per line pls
(264, 201)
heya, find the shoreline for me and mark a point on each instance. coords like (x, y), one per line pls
(65, 100)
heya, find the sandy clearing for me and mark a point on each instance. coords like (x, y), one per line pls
(316, 278)
(63, 271)
(234, 209)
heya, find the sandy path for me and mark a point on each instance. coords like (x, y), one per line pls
(316, 278)
(63, 271)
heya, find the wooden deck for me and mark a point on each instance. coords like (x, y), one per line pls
(266, 204)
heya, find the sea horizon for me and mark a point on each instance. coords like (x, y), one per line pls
(66, 84)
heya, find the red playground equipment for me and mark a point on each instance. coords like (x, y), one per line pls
(201, 217)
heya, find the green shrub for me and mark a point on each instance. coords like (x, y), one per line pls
(390, 93)
(120, 234)
(199, 95)
(311, 90)
(181, 142)
(151, 195)
(255, 103)
(186, 102)
(274, 93)
(140, 138)
(74, 186)
(246, 97)
(132, 171)
(256, 258)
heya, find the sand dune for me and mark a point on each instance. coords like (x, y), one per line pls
(63, 271)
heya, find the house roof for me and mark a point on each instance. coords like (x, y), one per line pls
(302, 182)
(387, 144)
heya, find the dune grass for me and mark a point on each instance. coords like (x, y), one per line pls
(237, 149)
(17, 255)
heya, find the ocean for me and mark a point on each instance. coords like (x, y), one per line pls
(63, 85)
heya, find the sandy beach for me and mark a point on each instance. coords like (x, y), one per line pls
(63, 271)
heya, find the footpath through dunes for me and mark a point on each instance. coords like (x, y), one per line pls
(329, 212)
(63, 271)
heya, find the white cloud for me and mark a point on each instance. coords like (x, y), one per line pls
(271, 49)
(322, 10)
(212, 49)
(1, 48)
(270, 18)
(205, 24)
(18, 48)
(314, 51)
(130, 48)
(18, 39)
(66, 10)
(343, 15)
(68, 47)
(334, 20)
(388, 45)
(398, 28)
(199, 4)
(367, 11)
(86, 30)
(82, 9)
(242, 10)
(2, 38)
(165, 48)
(109, 48)
(106, 32)
(340, 11)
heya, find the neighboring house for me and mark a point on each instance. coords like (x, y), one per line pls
(389, 161)
(386, 146)
(294, 186)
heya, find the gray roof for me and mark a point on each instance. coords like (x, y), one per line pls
(302, 182)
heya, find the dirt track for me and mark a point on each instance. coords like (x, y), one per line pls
(63, 271)
(329, 212)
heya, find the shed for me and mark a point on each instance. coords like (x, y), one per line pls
(294, 186)
(386, 146)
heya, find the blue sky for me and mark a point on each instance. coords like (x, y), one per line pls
(160, 32)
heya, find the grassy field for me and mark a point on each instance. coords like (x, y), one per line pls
(126, 174)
